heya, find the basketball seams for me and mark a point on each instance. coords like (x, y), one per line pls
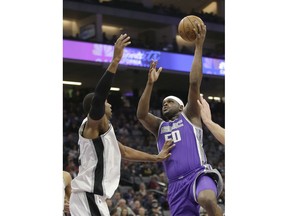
(185, 25)
(193, 36)
(183, 29)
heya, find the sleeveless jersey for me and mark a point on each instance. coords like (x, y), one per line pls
(100, 160)
(188, 155)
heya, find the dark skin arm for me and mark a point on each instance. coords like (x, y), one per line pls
(148, 120)
(139, 156)
(93, 127)
(191, 110)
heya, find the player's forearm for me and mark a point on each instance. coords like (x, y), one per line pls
(100, 95)
(138, 156)
(216, 130)
(113, 66)
(196, 69)
(144, 102)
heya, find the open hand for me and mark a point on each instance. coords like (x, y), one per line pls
(119, 46)
(153, 73)
(165, 152)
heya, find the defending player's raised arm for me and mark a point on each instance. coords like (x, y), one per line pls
(195, 77)
(148, 120)
(101, 92)
(139, 156)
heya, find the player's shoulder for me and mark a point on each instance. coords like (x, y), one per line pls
(66, 176)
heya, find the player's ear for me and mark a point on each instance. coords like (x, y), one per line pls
(181, 107)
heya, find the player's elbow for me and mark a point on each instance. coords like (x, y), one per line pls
(195, 83)
(140, 115)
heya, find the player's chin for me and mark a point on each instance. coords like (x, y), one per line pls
(109, 115)
(165, 111)
(165, 114)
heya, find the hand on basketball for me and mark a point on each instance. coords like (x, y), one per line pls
(200, 33)
(153, 73)
(119, 46)
(165, 152)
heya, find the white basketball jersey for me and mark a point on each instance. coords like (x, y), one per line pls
(100, 160)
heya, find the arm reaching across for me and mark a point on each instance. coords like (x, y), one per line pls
(136, 155)
(215, 128)
(149, 121)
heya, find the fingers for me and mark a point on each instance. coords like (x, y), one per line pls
(200, 29)
(168, 144)
(168, 156)
(153, 64)
(159, 70)
(123, 40)
(204, 102)
(199, 103)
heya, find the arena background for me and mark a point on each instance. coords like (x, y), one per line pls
(32, 95)
(151, 25)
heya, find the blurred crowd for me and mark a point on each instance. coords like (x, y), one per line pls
(146, 42)
(171, 10)
(143, 186)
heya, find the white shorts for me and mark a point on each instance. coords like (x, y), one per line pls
(88, 204)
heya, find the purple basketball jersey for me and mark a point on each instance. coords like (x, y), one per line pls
(188, 154)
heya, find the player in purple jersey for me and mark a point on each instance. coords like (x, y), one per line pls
(192, 182)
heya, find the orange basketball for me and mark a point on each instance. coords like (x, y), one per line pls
(186, 27)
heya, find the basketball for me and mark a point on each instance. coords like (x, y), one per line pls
(186, 27)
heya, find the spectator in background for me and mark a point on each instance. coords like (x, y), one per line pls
(116, 198)
(123, 206)
(110, 204)
(156, 209)
(114, 212)
(136, 206)
(142, 189)
(142, 212)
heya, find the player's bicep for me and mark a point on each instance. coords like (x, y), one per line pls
(192, 109)
(151, 123)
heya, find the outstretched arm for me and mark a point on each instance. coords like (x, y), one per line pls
(149, 121)
(139, 156)
(195, 77)
(96, 116)
(214, 128)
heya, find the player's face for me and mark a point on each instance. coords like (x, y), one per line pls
(108, 110)
(170, 108)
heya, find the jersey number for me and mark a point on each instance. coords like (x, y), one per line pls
(175, 135)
